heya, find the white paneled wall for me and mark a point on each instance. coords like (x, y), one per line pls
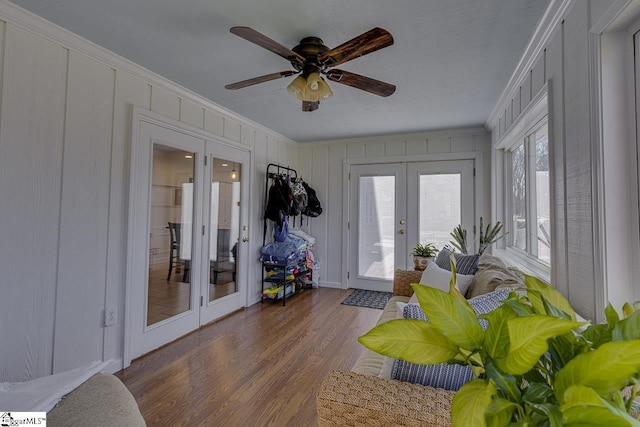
(570, 152)
(84, 214)
(31, 163)
(582, 292)
(559, 56)
(321, 165)
(64, 182)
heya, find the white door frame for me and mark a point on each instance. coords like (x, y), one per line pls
(142, 115)
(476, 156)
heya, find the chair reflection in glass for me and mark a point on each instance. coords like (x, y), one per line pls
(223, 259)
(174, 252)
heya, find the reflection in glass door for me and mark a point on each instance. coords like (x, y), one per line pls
(224, 227)
(170, 236)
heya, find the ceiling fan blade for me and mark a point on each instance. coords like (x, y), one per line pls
(310, 105)
(263, 41)
(368, 42)
(361, 82)
(261, 79)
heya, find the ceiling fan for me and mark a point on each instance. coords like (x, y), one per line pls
(311, 59)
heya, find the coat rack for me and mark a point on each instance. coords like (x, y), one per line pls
(274, 171)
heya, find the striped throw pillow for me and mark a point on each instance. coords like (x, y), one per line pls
(465, 264)
(448, 377)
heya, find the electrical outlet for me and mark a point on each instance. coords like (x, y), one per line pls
(110, 316)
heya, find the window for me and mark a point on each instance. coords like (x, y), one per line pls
(528, 198)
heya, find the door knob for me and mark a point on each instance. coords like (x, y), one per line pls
(401, 231)
(245, 239)
(402, 222)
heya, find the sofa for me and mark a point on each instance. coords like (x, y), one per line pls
(82, 397)
(367, 395)
(101, 401)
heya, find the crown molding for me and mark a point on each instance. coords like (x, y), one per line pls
(553, 16)
(436, 133)
(28, 21)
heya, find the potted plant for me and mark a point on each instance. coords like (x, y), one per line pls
(534, 364)
(422, 253)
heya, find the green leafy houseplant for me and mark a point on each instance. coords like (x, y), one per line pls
(488, 237)
(427, 250)
(459, 241)
(421, 254)
(534, 365)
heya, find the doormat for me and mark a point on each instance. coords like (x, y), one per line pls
(369, 299)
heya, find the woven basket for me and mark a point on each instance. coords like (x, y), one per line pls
(402, 280)
(350, 399)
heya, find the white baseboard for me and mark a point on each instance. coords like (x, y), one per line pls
(336, 285)
(115, 366)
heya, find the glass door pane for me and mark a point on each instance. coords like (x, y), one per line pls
(439, 209)
(224, 227)
(170, 233)
(376, 227)
(440, 196)
(377, 235)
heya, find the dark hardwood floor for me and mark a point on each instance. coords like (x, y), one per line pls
(261, 366)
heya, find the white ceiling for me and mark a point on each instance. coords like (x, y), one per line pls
(450, 61)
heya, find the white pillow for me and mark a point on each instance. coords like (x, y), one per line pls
(387, 367)
(437, 277)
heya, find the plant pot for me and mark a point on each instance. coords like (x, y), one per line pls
(420, 262)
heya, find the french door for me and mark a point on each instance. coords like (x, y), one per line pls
(188, 233)
(393, 206)
(224, 250)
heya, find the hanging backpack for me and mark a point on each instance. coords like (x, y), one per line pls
(277, 202)
(299, 196)
(293, 208)
(313, 208)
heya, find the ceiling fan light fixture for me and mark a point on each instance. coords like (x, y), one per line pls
(314, 82)
(327, 92)
(317, 88)
(313, 88)
(297, 87)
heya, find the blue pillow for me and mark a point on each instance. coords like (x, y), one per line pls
(465, 264)
(443, 375)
